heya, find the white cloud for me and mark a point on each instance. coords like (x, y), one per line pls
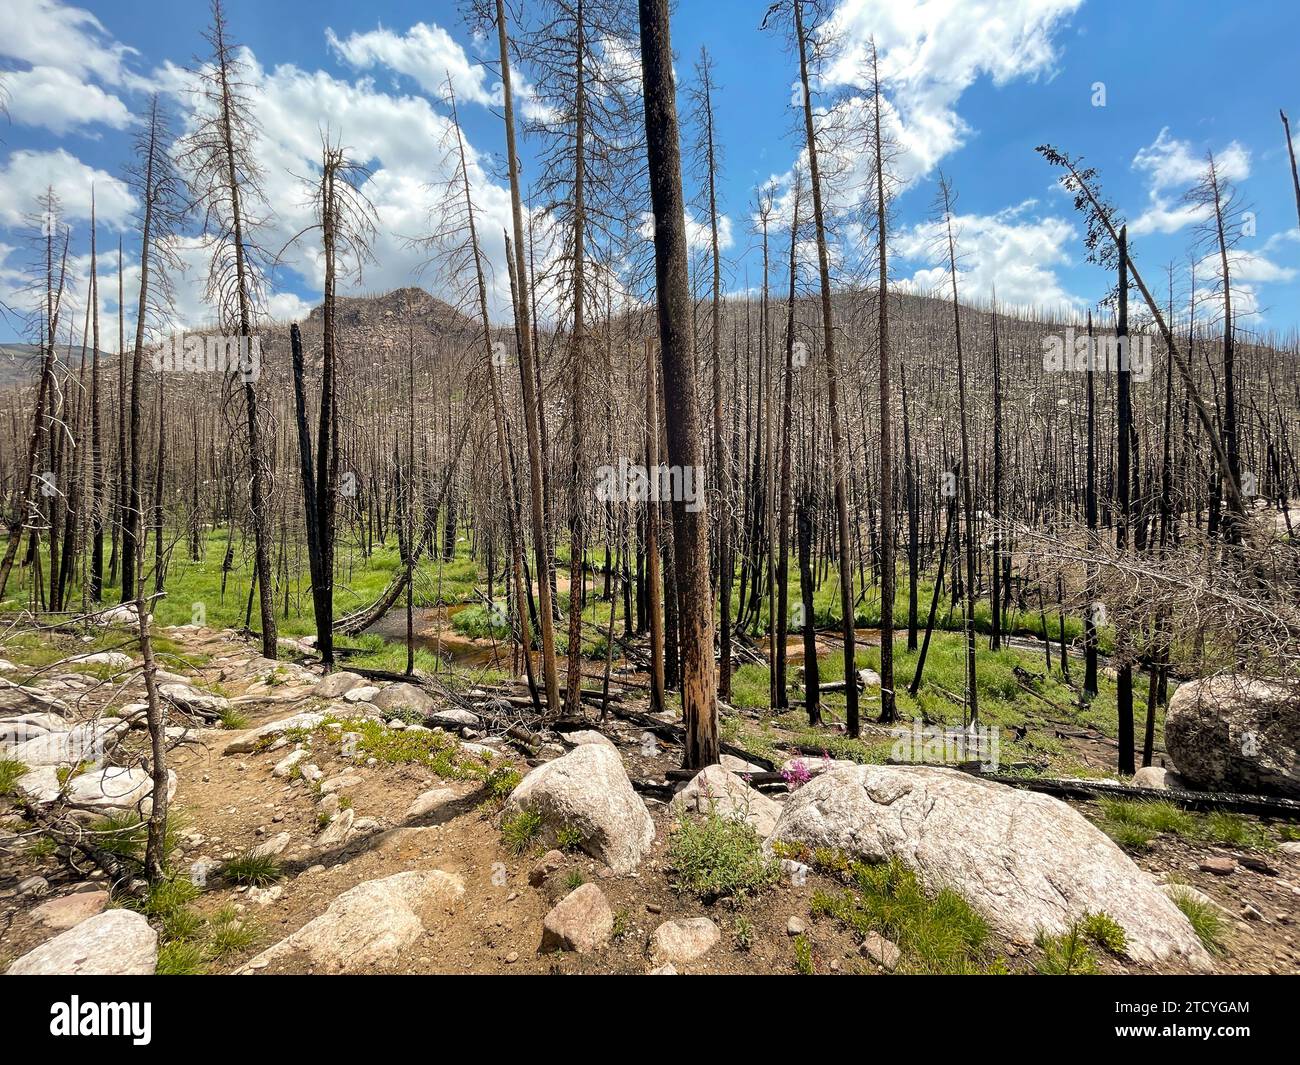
(1013, 253)
(27, 175)
(61, 101)
(1171, 166)
(931, 51)
(405, 143)
(425, 52)
(48, 33)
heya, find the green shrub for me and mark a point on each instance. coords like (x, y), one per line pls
(1105, 932)
(935, 934)
(1066, 954)
(715, 857)
(1205, 918)
(252, 869)
(520, 829)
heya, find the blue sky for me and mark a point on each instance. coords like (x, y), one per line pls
(972, 86)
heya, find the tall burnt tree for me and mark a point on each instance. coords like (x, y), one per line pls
(677, 354)
(225, 178)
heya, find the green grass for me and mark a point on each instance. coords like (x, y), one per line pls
(438, 752)
(227, 932)
(520, 830)
(232, 718)
(1206, 920)
(568, 838)
(716, 857)
(1105, 932)
(181, 957)
(574, 879)
(1136, 824)
(252, 869)
(803, 959)
(1065, 955)
(935, 933)
(10, 772)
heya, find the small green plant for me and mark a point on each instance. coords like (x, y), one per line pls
(1233, 830)
(1204, 917)
(519, 830)
(42, 847)
(233, 718)
(1066, 954)
(715, 857)
(64, 773)
(803, 959)
(1105, 932)
(182, 957)
(935, 934)
(501, 782)
(252, 869)
(742, 928)
(622, 924)
(568, 838)
(229, 933)
(574, 879)
(10, 771)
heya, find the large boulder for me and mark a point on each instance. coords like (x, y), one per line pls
(17, 699)
(588, 789)
(112, 943)
(1234, 733)
(82, 743)
(404, 696)
(102, 790)
(253, 739)
(369, 926)
(336, 685)
(714, 790)
(1026, 862)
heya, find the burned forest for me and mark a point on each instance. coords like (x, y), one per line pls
(572, 541)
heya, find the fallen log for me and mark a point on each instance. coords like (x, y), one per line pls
(1256, 805)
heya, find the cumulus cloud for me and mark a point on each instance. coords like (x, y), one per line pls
(1013, 253)
(931, 52)
(60, 101)
(1171, 167)
(65, 51)
(27, 174)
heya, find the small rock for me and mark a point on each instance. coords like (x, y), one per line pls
(69, 910)
(1219, 866)
(880, 950)
(336, 832)
(338, 783)
(361, 695)
(286, 765)
(581, 921)
(668, 969)
(430, 801)
(796, 926)
(34, 886)
(272, 847)
(548, 863)
(684, 940)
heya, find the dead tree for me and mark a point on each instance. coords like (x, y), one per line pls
(677, 353)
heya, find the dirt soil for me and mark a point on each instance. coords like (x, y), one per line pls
(230, 802)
